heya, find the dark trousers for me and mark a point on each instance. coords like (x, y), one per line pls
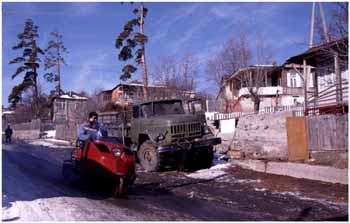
(8, 139)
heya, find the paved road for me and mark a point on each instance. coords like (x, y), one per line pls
(33, 189)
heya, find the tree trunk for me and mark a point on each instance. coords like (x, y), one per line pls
(32, 61)
(143, 58)
(36, 101)
(59, 71)
(256, 103)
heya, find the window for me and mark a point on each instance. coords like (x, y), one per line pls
(168, 108)
(60, 105)
(293, 79)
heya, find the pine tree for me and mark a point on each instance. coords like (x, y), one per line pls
(29, 64)
(133, 43)
(54, 59)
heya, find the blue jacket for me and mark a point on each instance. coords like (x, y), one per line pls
(87, 131)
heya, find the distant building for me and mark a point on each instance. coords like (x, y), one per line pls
(69, 107)
(130, 93)
(279, 86)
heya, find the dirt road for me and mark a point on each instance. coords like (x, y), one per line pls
(33, 189)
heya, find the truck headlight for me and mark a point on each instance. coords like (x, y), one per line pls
(117, 152)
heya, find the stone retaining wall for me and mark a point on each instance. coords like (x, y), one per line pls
(262, 136)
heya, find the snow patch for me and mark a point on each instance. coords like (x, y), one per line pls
(212, 173)
(50, 134)
(335, 205)
(8, 112)
(10, 213)
(260, 189)
(52, 143)
(247, 181)
(73, 97)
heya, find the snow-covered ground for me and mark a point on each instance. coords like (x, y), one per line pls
(52, 143)
(64, 209)
(211, 173)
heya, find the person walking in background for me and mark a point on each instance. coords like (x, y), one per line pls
(8, 134)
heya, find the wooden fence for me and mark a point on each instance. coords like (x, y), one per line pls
(67, 131)
(328, 132)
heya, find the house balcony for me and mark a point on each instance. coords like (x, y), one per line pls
(263, 91)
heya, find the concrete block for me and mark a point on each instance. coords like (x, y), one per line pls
(228, 126)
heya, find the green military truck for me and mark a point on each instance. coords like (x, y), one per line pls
(164, 135)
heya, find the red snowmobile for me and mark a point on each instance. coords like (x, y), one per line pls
(104, 159)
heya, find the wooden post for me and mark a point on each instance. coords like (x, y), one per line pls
(339, 93)
(315, 85)
(305, 86)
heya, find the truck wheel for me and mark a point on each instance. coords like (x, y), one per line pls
(148, 156)
(206, 158)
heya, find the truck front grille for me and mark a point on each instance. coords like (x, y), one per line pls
(187, 130)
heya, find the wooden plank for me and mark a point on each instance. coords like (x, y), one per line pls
(297, 138)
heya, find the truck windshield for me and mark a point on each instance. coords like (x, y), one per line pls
(168, 108)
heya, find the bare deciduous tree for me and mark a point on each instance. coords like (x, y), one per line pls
(236, 55)
(179, 76)
(233, 55)
(254, 79)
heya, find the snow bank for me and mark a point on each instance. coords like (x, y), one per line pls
(67, 209)
(8, 112)
(52, 143)
(212, 173)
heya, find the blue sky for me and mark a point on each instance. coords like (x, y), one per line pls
(174, 29)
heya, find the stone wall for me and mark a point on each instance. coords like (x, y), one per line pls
(262, 136)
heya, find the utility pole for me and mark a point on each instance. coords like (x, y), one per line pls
(324, 24)
(312, 25)
(143, 58)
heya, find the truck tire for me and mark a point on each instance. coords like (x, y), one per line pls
(148, 156)
(208, 160)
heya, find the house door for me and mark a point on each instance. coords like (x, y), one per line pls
(297, 138)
